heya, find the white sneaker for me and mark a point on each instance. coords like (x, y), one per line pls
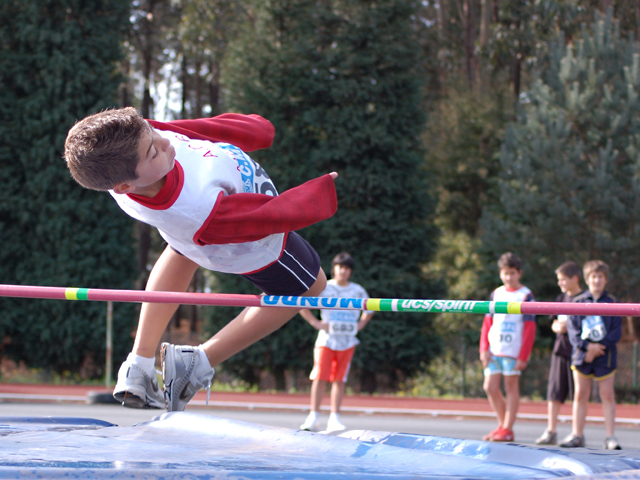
(311, 423)
(179, 366)
(334, 424)
(611, 443)
(135, 388)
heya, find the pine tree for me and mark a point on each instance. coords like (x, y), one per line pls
(57, 64)
(341, 83)
(569, 183)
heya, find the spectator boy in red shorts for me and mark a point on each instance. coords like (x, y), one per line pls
(336, 342)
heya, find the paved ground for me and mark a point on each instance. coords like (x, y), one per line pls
(468, 419)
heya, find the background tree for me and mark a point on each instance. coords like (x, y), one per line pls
(57, 64)
(569, 183)
(342, 84)
(205, 32)
(149, 43)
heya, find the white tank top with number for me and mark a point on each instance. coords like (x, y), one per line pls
(505, 335)
(209, 169)
(343, 324)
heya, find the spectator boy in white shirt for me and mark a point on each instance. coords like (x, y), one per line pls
(336, 342)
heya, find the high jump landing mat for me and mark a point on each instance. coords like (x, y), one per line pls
(185, 445)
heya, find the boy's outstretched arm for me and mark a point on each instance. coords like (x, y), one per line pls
(247, 132)
(248, 217)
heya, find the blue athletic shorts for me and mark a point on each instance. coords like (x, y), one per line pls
(503, 365)
(293, 273)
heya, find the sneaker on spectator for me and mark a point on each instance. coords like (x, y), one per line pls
(503, 435)
(547, 438)
(334, 424)
(611, 443)
(136, 388)
(184, 373)
(311, 423)
(488, 436)
(573, 441)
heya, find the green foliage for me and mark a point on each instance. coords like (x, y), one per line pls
(342, 85)
(463, 136)
(569, 183)
(57, 64)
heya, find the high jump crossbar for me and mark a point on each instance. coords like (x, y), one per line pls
(372, 304)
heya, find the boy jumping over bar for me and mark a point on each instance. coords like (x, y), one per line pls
(216, 208)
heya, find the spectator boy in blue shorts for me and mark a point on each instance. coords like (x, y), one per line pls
(594, 357)
(216, 208)
(560, 385)
(336, 342)
(506, 341)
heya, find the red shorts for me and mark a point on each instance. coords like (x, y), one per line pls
(331, 365)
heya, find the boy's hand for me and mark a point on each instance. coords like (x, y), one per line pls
(521, 365)
(559, 327)
(594, 350)
(334, 175)
(485, 357)
(323, 326)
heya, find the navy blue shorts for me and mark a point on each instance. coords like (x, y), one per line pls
(293, 273)
(596, 372)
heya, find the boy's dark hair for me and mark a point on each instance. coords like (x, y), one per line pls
(595, 266)
(510, 260)
(102, 149)
(342, 259)
(569, 269)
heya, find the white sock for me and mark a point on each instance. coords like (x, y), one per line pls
(313, 415)
(146, 363)
(203, 367)
(334, 416)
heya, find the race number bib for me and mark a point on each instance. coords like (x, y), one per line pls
(343, 328)
(593, 328)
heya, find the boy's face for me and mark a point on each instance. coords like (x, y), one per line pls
(596, 281)
(156, 158)
(568, 284)
(510, 277)
(341, 274)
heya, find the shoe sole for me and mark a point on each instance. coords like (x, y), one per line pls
(132, 399)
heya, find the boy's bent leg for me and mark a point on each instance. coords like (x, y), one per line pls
(171, 273)
(253, 324)
(137, 385)
(187, 369)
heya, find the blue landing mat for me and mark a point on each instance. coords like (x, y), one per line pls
(191, 446)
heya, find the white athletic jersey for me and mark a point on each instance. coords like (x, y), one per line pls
(505, 334)
(209, 169)
(343, 323)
